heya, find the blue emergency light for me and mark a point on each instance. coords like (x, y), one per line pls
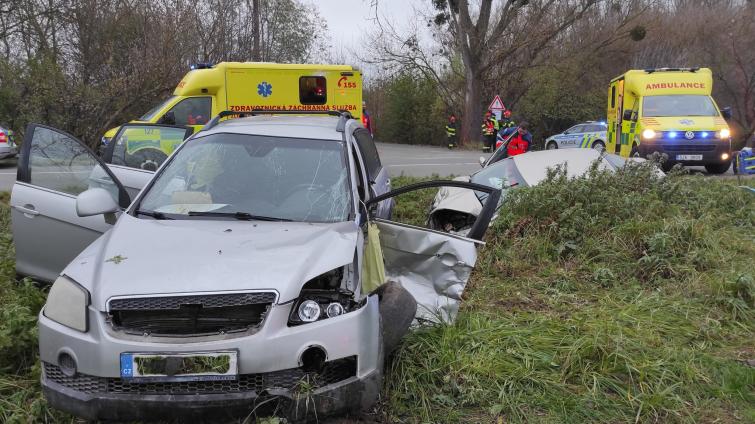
(206, 65)
(672, 134)
(704, 134)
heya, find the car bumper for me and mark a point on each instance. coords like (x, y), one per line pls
(709, 152)
(351, 394)
(7, 152)
(268, 366)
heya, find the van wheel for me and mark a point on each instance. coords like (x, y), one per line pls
(147, 159)
(719, 168)
(599, 146)
(551, 146)
(635, 152)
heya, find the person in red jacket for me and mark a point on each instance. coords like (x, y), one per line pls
(520, 141)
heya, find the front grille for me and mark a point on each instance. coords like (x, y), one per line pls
(190, 315)
(333, 372)
(690, 148)
(207, 301)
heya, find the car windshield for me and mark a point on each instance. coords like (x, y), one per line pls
(678, 105)
(237, 176)
(502, 174)
(152, 112)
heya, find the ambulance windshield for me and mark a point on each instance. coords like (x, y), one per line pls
(152, 112)
(678, 105)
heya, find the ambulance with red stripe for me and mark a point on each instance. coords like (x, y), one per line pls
(670, 111)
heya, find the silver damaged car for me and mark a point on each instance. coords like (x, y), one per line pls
(236, 280)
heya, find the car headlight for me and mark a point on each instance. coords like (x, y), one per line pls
(648, 134)
(323, 297)
(67, 304)
(724, 133)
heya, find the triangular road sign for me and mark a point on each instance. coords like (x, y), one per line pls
(497, 104)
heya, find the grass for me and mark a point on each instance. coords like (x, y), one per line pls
(609, 298)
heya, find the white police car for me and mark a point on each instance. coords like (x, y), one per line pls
(590, 134)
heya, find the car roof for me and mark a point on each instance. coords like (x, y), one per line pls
(533, 166)
(319, 127)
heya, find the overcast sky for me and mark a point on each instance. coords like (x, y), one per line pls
(349, 20)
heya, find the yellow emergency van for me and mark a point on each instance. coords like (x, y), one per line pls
(671, 111)
(207, 90)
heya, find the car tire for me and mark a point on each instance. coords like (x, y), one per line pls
(551, 145)
(147, 159)
(718, 168)
(599, 145)
(397, 310)
(635, 152)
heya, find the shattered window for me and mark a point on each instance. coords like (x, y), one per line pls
(283, 178)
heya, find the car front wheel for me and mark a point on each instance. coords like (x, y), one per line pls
(551, 145)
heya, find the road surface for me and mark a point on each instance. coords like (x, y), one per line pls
(400, 159)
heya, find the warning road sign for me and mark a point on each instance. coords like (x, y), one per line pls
(497, 104)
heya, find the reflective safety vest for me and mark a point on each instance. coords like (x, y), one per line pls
(488, 127)
(451, 129)
(496, 122)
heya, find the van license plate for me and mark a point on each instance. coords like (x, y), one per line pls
(200, 366)
(689, 157)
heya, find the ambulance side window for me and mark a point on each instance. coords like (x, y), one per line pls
(613, 97)
(191, 111)
(312, 91)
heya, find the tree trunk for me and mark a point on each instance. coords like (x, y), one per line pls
(256, 53)
(472, 119)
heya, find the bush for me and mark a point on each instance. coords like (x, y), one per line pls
(604, 298)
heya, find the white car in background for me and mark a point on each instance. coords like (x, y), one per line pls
(588, 135)
(455, 210)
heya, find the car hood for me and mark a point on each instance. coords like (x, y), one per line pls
(147, 257)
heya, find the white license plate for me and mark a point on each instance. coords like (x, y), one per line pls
(689, 157)
(190, 366)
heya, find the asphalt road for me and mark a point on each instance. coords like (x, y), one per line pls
(400, 159)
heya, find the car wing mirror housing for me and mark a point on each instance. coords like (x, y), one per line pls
(482, 161)
(169, 118)
(97, 201)
(726, 112)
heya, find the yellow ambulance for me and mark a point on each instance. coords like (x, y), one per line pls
(670, 111)
(207, 90)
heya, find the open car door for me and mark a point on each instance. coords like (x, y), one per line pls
(54, 168)
(432, 265)
(138, 149)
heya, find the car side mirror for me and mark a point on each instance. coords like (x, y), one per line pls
(168, 119)
(482, 161)
(726, 112)
(97, 201)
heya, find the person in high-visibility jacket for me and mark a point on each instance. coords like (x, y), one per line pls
(517, 139)
(488, 132)
(451, 131)
(507, 122)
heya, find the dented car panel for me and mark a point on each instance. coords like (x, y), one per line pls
(433, 267)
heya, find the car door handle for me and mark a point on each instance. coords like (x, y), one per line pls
(27, 210)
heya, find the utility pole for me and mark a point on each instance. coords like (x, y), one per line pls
(256, 53)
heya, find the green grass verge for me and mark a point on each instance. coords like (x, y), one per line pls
(608, 298)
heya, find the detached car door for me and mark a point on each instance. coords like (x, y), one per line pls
(137, 150)
(433, 266)
(54, 167)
